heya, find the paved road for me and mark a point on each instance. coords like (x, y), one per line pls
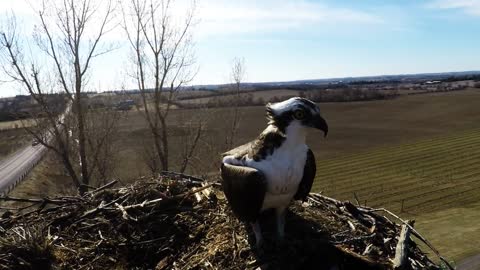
(14, 168)
(471, 263)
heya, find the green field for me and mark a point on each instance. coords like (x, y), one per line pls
(426, 175)
(435, 181)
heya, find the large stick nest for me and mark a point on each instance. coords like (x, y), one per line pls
(172, 222)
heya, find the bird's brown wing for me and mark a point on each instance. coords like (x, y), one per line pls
(309, 172)
(259, 148)
(240, 151)
(245, 189)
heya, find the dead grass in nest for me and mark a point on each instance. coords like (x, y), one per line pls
(174, 222)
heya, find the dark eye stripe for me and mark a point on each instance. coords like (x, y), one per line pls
(282, 120)
(309, 104)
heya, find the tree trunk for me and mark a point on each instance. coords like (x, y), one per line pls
(81, 133)
(164, 138)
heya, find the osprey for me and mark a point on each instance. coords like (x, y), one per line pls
(278, 166)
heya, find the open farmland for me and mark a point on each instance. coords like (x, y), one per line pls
(355, 127)
(426, 175)
(420, 149)
(435, 181)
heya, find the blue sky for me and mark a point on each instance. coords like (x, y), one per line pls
(283, 40)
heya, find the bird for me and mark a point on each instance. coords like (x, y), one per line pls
(275, 168)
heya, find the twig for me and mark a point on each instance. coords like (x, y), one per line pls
(188, 177)
(143, 242)
(66, 248)
(36, 201)
(370, 210)
(401, 255)
(125, 215)
(362, 237)
(414, 232)
(145, 203)
(165, 200)
(101, 206)
(325, 198)
(90, 263)
(104, 186)
(352, 226)
(356, 198)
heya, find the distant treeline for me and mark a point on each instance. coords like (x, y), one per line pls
(8, 116)
(22, 107)
(348, 95)
(474, 77)
(257, 88)
(331, 95)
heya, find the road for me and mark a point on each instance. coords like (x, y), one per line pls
(17, 166)
(14, 168)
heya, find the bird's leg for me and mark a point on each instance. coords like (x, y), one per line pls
(280, 214)
(258, 233)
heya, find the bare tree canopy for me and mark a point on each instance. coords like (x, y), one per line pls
(237, 75)
(238, 72)
(162, 59)
(68, 37)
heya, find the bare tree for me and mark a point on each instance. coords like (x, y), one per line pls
(161, 46)
(102, 125)
(68, 37)
(237, 75)
(193, 130)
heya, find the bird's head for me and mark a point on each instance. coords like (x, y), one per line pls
(296, 110)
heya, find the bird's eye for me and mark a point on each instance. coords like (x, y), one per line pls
(299, 114)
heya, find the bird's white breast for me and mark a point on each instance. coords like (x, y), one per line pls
(283, 171)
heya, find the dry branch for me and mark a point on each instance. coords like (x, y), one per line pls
(416, 234)
(401, 256)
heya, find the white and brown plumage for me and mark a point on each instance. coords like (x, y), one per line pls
(278, 166)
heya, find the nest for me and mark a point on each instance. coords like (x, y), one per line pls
(179, 222)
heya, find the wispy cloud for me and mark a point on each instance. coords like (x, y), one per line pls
(233, 17)
(471, 7)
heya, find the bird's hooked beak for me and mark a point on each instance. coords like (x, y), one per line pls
(320, 123)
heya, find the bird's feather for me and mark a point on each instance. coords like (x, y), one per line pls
(240, 150)
(309, 172)
(245, 189)
(259, 148)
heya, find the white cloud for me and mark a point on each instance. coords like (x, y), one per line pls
(471, 7)
(218, 17)
(19, 7)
